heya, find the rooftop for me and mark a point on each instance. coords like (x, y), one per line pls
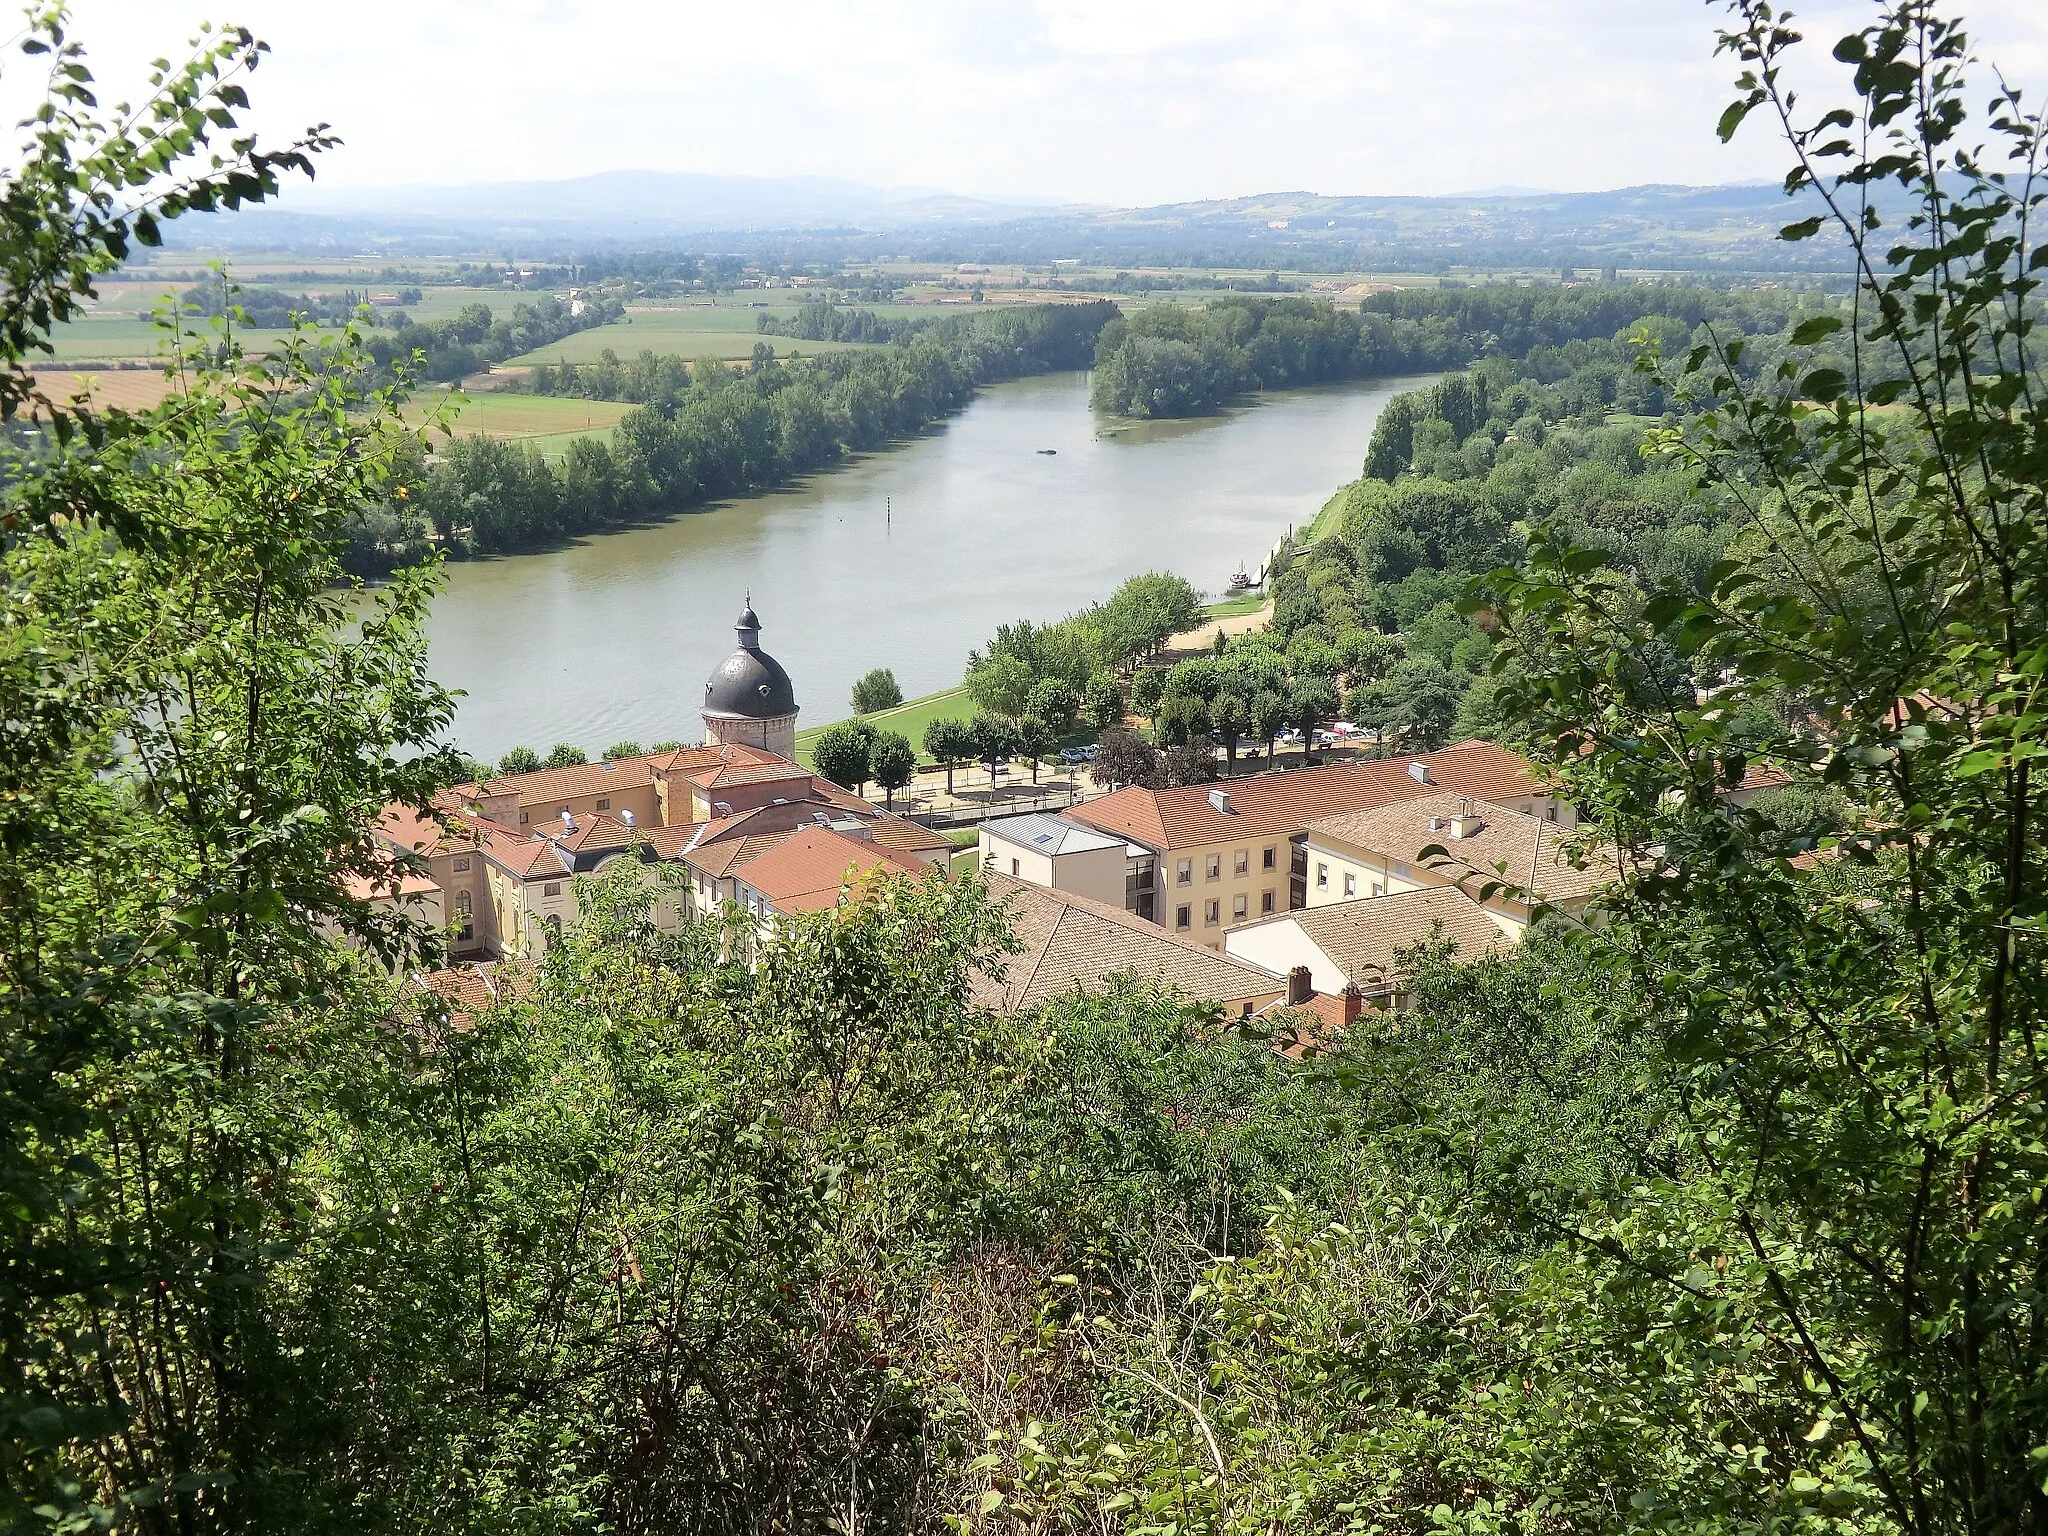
(1050, 835)
(1071, 942)
(1505, 845)
(1364, 938)
(1278, 803)
(809, 869)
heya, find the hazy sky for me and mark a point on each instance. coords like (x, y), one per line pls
(1117, 101)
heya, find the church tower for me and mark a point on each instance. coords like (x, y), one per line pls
(749, 698)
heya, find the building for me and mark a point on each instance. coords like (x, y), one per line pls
(719, 848)
(749, 700)
(1058, 854)
(812, 870)
(1358, 944)
(1209, 858)
(1506, 861)
(1074, 943)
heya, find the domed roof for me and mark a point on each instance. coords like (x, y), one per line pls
(750, 683)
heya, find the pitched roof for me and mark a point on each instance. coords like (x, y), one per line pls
(728, 854)
(809, 869)
(1072, 942)
(1363, 938)
(1284, 801)
(715, 775)
(468, 990)
(710, 754)
(568, 783)
(1508, 845)
(1049, 835)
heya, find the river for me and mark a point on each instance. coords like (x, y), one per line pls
(905, 560)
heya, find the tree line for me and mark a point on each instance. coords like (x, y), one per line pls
(711, 431)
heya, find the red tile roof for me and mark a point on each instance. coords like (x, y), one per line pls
(809, 869)
(1283, 802)
(557, 783)
(1503, 845)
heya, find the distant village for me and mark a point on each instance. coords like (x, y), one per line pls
(1287, 889)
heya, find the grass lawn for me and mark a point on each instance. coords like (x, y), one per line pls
(1325, 522)
(1231, 607)
(545, 419)
(907, 719)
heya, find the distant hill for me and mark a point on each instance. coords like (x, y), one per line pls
(799, 217)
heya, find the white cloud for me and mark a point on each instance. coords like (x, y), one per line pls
(1105, 100)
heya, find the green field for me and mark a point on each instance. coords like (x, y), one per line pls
(542, 421)
(724, 330)
(908, 719)
(1231, 607)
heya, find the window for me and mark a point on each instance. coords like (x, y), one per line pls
(464, 926)
(1265, 901)
(1244, 862)
(1351, 885)
(1184, 872)
(1266, 861)
(1378, 889)
(462, 866)
(1550, 813)
(1322, 877)
(552, 888)
(522, 818)
(1180, 916)
(604, 804)
(1212, 913)
(1215, 869)
(1016, 867)
(1239, 906)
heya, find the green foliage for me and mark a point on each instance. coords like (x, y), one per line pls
(950, 742)
(892, 763)
(1147, 688)
(876, 690)
(619, 749)
(1104, 705)
(564, 754)
(519, 760)
(841, 753)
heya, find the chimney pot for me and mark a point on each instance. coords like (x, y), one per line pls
(1353, 1001)
(1299, 987)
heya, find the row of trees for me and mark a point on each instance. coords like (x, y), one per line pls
(1187, 360)
(471, 341)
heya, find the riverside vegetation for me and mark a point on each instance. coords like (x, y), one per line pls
(1721, 1216)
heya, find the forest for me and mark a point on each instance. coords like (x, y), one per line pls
(1719, 1214)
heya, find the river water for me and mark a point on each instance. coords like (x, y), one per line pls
(905, 560)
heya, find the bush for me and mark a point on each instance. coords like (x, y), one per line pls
(565, 755)
(619, 749)
(519, 760)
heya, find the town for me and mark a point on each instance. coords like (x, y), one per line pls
(1288, 889)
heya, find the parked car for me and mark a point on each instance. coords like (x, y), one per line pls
(1072, 755)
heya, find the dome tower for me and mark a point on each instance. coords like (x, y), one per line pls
(749, 698)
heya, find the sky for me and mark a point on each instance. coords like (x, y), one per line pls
(1123, 102)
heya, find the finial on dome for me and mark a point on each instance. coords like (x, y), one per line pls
(747, 626)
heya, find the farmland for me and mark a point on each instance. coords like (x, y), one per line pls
(694, 330)
(545, 422)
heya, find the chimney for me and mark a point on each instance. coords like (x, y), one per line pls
(1220, 799)
(1468, 822)
(1419, 772)
(568, 822)
(626, 817)
(1353, 1001)
(1299, 988)
(1436, 823)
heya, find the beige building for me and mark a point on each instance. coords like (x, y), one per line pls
(1358, 944)
(1210, 858)
(1507, 862)
(1058, 854)
(1074, 944)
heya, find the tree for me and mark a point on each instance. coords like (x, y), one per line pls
(1146, 690)
(892, 763)
(876, 690)
(519, 760)
(1848, 1186)
(841, 753)
(619, 749)
(1179, 719)
(1310, 702)
(666, 746)
(1268, 712)
(1035, 738)
(1105, 702)
(1413, 707)
(565, 754)
(995, 740)
(1001, 684)
(1122, 756)
(949, 741)
(1189, 762)
(1229, 719)
(1054, 702)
